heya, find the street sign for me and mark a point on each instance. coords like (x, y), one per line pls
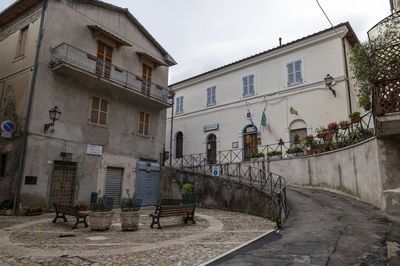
(94, 149)
(8, 126)
(215, 170)
(7, 135)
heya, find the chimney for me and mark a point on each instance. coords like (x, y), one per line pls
(280, 41)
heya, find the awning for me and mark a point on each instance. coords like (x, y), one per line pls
(151, 58)
(97, 30)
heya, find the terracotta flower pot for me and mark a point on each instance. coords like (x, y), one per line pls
(356, 119)
(33, 213)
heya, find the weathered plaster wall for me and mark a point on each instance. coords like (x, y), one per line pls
(353, 170)
(217, 193)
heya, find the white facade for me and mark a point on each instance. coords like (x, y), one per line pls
(289, 77)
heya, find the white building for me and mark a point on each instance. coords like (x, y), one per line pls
(286, 82)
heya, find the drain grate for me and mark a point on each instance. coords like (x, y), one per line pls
(67, 235)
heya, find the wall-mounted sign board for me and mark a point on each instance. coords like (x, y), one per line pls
(94, 149)
(211, 127)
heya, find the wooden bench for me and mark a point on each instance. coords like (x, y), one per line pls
(167, 202)
(173, 210)
(62, 210)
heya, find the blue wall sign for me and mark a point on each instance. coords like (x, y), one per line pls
(8, 126)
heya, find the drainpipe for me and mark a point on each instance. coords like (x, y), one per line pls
(28, 112)
(172, 126)
(347, 74)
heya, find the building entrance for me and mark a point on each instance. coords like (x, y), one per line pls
(211, 149)
(249, 142)
(63, 183)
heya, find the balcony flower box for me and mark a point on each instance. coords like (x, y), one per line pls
(355, 117)
(92, 57)
(139, 78)
(159, 87)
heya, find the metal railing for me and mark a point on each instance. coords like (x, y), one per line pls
(65, 53)
(343, 136)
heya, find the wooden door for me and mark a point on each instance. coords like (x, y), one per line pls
(104, 59)
(249, 145)
(179, 145)
(211, 149)
(146, 83)
(63, 183)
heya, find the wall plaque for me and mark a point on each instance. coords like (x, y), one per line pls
(94, 149)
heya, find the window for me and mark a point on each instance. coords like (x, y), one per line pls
(179, 105)
(21, 47)
(248, 85)
(301, 132)
(2, 164)
(104, 59)
(179, 145)
(99, 111)
(146, 83)
(143, 126)
(211, 96)
(294, 72)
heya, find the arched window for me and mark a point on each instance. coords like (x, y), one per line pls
(298, 127)
(179, 145)
(211, 149)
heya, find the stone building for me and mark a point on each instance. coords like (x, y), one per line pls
(222, 109)
(107, 75)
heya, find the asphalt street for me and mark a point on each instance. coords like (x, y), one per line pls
(325, 228)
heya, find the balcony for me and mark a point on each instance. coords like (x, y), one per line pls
(73, 62)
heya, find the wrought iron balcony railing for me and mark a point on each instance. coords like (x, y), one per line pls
(65, 53)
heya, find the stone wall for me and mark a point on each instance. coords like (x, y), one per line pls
(217, 193)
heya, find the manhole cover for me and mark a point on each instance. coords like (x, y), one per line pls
(97, 238)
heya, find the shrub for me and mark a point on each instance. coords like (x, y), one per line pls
(353, 115)
(274, 153)
(295, 150)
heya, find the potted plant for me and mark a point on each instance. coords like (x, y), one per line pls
(81, 207)
(281, 143)
(274, 154)
(332, 127)
(189, 192)
(130, 215)
(309, 137)
(35, 211)
(294, 152)
(100, 217)
(257, 156)
(355, 117)
(310, 144)
(344, 124)
(6, 207)
(321, 132)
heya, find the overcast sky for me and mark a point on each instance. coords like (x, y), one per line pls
(204, 34)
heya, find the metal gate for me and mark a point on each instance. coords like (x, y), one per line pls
(63, 183)
(113, 187)
(147, 180)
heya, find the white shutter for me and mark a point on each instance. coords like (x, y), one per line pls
(290, 72)
(214, 95)
(245, 86)
(251, 84)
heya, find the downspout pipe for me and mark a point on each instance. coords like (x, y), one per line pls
(172, 127)
(347, 74)
(28, 112)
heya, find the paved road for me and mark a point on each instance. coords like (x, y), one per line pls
(325, 229)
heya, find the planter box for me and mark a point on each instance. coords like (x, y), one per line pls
(257, 159)
(292, 155)
(356, 119)
(275, 157)
(100, 221)
(188, 198)
(130, 220)
(6, 212)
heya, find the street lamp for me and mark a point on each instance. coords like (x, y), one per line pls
(329, 82)
(54, 114)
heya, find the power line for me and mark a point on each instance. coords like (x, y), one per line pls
(323, 11)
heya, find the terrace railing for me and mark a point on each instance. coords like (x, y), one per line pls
(65, 53)
(359, 129)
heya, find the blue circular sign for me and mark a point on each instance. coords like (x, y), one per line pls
(8, 126)
(215, 172)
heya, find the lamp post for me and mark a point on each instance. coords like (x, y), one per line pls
(54, 114)
(329, 82)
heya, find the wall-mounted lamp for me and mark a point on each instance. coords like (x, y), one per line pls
(329, 82)
(55, 114)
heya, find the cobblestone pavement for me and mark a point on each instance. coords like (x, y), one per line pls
(37, 241)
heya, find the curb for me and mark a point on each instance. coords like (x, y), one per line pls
(236, 248)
